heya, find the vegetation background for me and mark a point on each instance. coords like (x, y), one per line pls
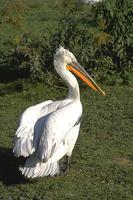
(100, 36)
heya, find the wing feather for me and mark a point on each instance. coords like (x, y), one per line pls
(23, 144)
(56, 126)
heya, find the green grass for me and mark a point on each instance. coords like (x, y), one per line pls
(102, 161)
(39, 19)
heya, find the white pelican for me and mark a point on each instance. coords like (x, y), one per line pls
(48, 131)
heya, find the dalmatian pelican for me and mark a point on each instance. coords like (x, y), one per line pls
(48, 131)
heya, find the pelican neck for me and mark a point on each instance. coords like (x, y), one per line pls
(73, 86)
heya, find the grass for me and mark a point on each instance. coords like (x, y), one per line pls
(102, 162)
(39, 18)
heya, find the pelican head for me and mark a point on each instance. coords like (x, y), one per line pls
(65, 61)
(62, 58)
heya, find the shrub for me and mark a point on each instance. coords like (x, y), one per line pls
(103, 44)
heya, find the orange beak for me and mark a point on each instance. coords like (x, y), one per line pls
(78, 70)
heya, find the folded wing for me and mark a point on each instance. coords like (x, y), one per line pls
(59, 134)
(23, 143)
(56, 127)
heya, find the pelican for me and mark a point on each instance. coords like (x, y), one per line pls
(48, 131)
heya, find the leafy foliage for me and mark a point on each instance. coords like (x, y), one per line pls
(117, 15)
(100, 35)
(13, 13)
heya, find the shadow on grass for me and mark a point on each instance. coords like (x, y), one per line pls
(9, 168)
(8, 74)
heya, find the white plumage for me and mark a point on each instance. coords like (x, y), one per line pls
(48, 131)
(91, 1)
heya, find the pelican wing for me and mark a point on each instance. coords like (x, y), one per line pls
(56, 127)
(23, 144)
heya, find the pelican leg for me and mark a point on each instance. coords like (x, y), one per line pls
(65, 166)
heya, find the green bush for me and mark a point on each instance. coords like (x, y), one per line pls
(100, 36)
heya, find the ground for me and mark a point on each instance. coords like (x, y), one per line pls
(102, 163)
